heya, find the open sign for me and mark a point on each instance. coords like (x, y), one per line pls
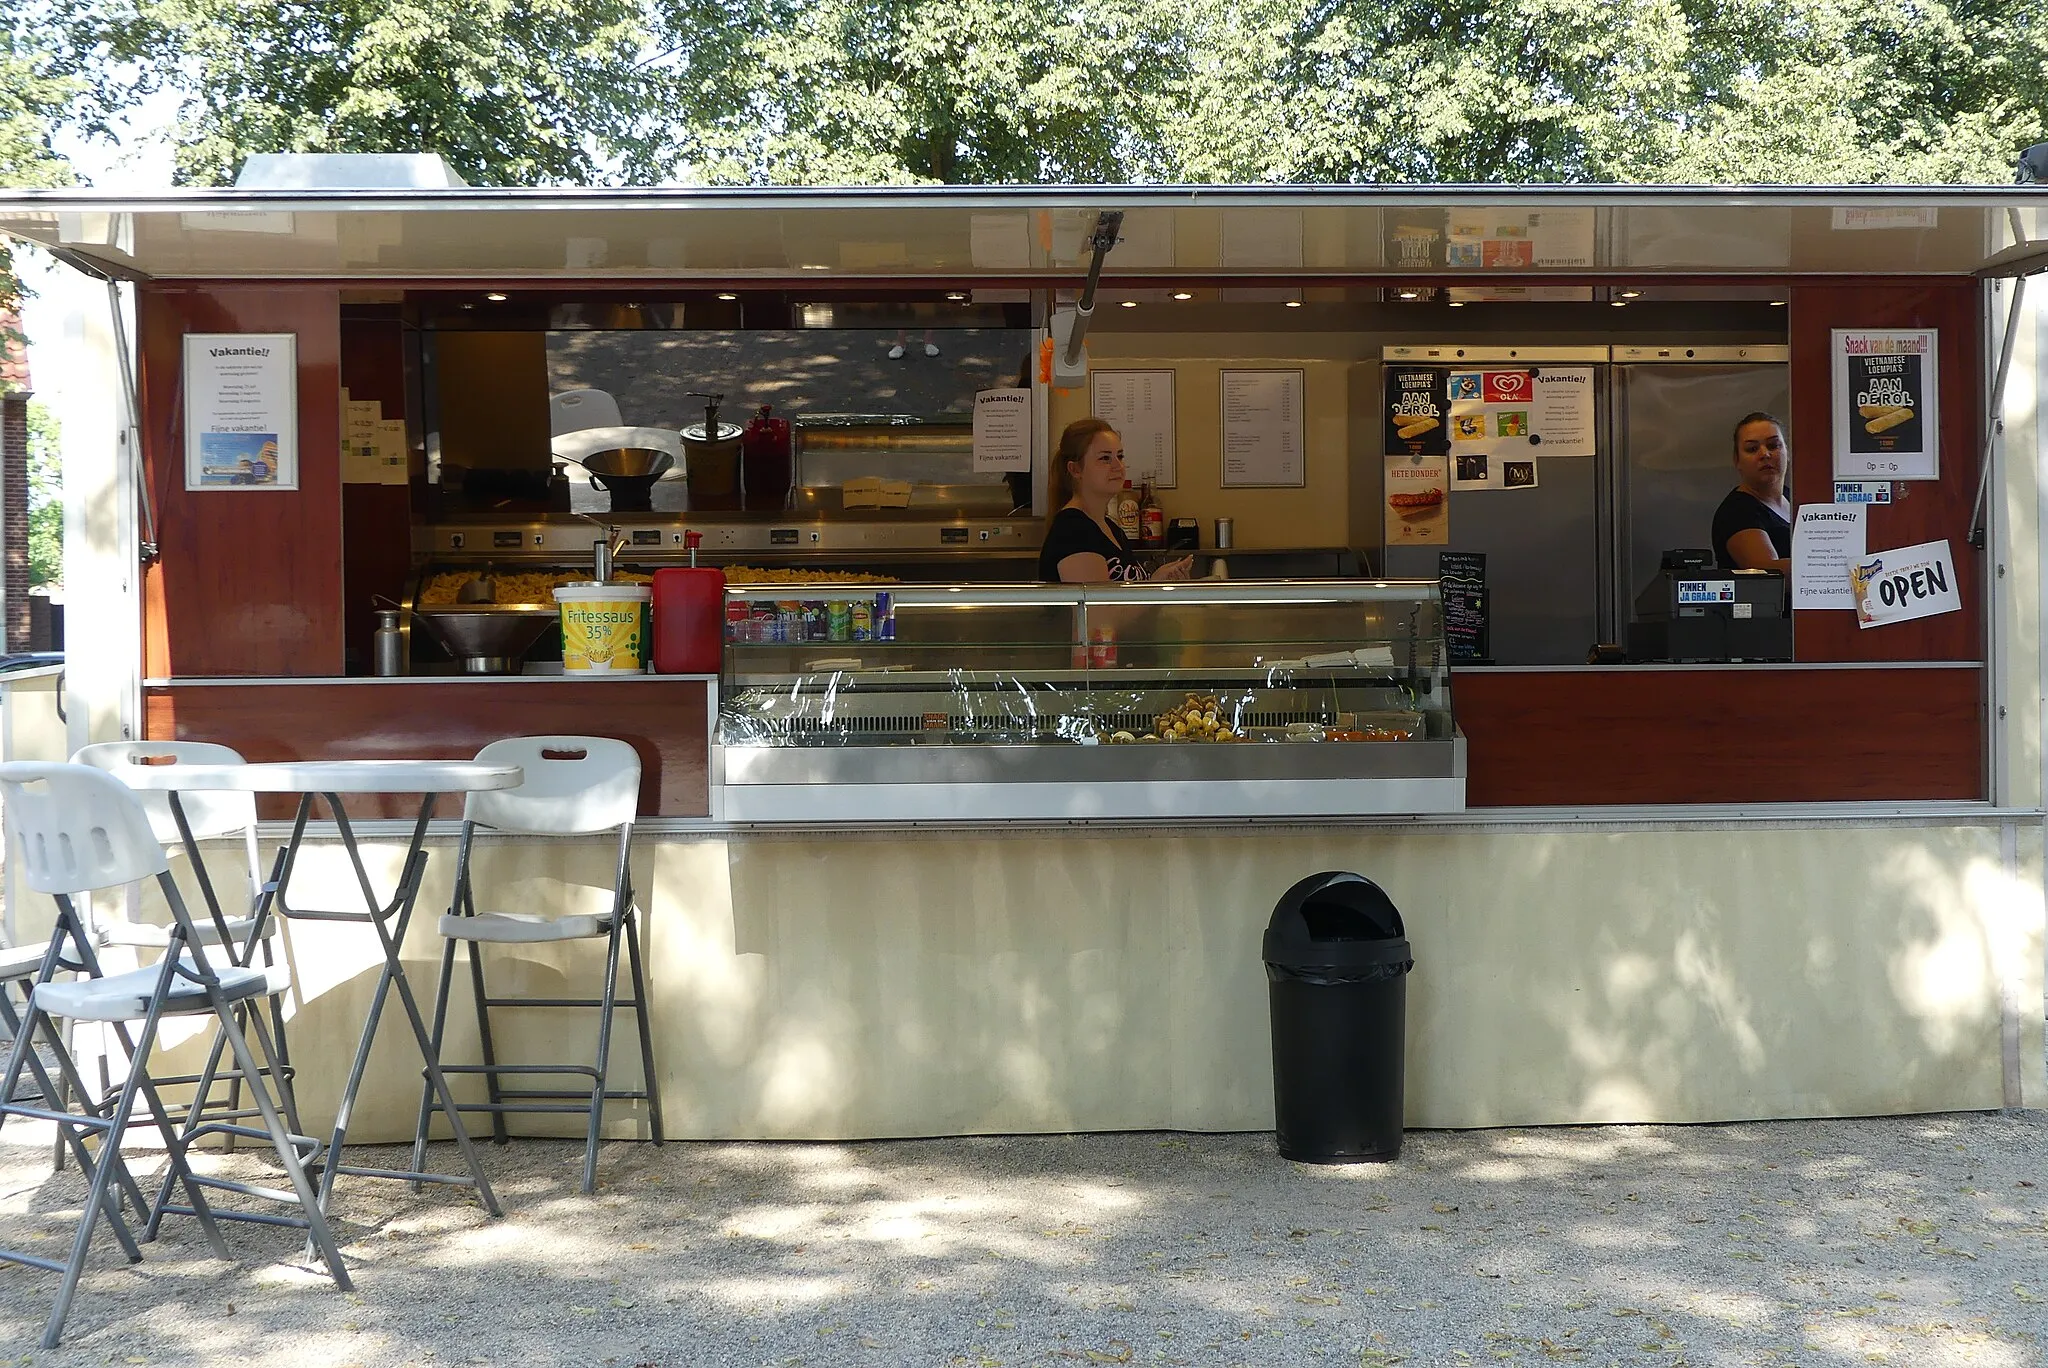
(1904, 584)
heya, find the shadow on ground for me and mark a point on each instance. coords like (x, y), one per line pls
(1913, 1241)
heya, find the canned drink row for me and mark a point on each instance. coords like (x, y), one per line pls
(764, 622)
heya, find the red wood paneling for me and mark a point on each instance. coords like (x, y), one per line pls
(1633, 735)
(665, 720)
(1926, 510)
(249, 581)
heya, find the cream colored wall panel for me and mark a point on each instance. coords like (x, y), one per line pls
(934, 983)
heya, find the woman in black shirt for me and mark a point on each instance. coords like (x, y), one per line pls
(1082, 545)
(1753, 525)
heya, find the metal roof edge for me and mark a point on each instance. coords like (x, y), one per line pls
(588, 198)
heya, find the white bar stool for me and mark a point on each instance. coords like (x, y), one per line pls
(574, 785)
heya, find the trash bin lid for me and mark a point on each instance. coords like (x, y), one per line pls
(1335, 920)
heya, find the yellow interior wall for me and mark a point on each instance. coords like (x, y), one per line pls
(1315, 515)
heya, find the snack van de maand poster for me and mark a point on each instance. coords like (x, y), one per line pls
(1417, 501)
(1887, 415)
(241, 411)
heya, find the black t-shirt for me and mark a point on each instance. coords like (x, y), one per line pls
(1073, 532)
(1739, 512)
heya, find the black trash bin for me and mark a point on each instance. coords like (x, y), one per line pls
(1337, 963)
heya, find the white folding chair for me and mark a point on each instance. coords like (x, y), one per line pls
(82, 830)
(575, 410)
(574, 785)
(242, 925)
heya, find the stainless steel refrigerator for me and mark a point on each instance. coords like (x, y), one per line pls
(1565, 561)
(1674, 416)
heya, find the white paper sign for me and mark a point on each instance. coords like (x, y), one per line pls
(1562, 412)
(1903, 584)
(999, 241)
(1139, 405)
(1002, 430)
(394, 460)
(1826, 540)
(241, 411)
(1262, 428)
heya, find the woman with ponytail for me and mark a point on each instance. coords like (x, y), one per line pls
(1082, 544)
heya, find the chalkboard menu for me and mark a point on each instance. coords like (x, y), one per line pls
(1462, 576)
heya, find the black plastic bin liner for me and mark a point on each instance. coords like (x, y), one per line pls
(1337, 961)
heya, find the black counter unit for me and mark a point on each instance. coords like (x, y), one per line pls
(1694, 611)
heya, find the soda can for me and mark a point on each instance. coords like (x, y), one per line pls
(1101, 647)
(885, 617)
(838, 620)
(814, 620)
(863, 620)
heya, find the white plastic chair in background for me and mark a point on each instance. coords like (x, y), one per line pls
(239, 921)
(574, 785)
(81, 831)
(575, 410)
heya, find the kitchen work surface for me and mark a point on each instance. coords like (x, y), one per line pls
(1919, 1240)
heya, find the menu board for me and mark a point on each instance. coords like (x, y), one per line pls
(1262, 428)
(1139, 405)
(1887, 417)
(1461, 576)
(241, 411)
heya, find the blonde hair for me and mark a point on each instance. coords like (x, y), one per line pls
(1072, 450)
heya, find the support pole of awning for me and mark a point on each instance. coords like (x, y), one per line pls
(131, 428)
(1994, 423)
(1108, 226)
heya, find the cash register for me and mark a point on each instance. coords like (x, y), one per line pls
(1695, 611)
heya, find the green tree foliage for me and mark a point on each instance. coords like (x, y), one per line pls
(909, 91)
(511, 92)
(45, 499)
(990, 91)
(30, 99)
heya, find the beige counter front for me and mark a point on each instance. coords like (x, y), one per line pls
(919, 983)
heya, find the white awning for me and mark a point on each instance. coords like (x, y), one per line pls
(1027, 234)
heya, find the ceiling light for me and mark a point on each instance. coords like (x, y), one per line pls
(1457, 304)
(495, 297)
(1619, 303)
(1129, 303)
(728, 296)
(1777, 303)
(1293, 303)
(1183, 294)
(1409, 294)
(957, 296)
(1631, 294)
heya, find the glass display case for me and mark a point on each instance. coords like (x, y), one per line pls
(865, 702)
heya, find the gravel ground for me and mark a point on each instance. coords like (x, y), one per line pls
(1920, 1240)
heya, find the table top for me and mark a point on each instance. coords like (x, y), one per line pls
(329, 776)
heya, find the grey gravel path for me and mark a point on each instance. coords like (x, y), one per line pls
(1918, 1241)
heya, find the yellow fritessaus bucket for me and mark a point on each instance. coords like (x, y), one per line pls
(605, 627)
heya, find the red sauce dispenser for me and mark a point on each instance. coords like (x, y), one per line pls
(689, 616)
(765, 464)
